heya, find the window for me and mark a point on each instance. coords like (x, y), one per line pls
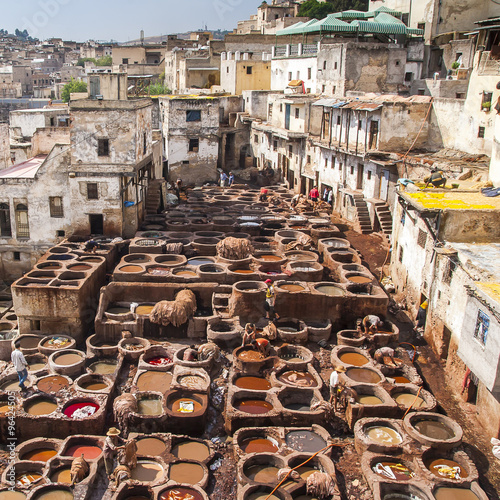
(324, 64)
(340, 165)
(145, 144)
(185, 162)
(56, 206)
(422, 238)
(360, 124)
(297, 112)
(249, 70)
(308, 159)
(92, 191)
(408, 76)
(290, 76)
(256, 138)
(398, 63)
(334, 89)
(194, 145)
(323, 89)
(270, 111)
(5, 229)
(460, 95)
(482, 327)
(326, 162)
(352, 169)
(290, 150)
(227, 69)
(275, 145)
(193, 115)
(400, 254)
(369, 174)
(60, 234)
(16, 255)
(480, 133)
(102, 147)
(421, 26)
(486, 101)
(125, 60)
(338, 120)
(335, 66)
(309, 73)
(23, 229)
(448, 271)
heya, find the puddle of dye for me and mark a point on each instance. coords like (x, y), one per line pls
(131, 269)
(363, 375)
(118, 310)
(33, 367)
(185, 273)
(68, 359)
(39, 455)
(305, 441)
(89, 452)
(151, 446)
(299, 379)
(384, 435)
(27, 478)
(353, 358)
(401, 380)
(369, 400)
(262, 496)
(180, 493)
(186, 472)
(192, 382)
(258, 445)
(434, 429)
(330, 290)
(359, 279)
(41, 408)
(253, 383)
(199, 262)
(12, 495)
(269, 258)
(191, 450)
(11, 386)
(52, 384)
(448, 469)
(254, 406)
(455, 494)
(407, 399)
(94, 386)
(250, 355)
(393, 470)
(157, 381)
(177, 405)
(80, 267)
(262, 473)
(149, 407)
(159, 361)
(103, 367)
(144, 310)
(62, 476)
(292, 288)
(81, 410)
(54, 494)
(147, 471)
(298, 407)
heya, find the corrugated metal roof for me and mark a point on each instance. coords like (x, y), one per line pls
(330, 103)
(25, 170)
(382, 28)
(363, 106)
(352, 14)
(330, 23)
(383, 8)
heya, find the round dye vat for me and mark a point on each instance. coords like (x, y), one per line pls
(254, 406)
(353, 358)
(199, 261)
(292, 288)
(67, 359)
(407, 399)
(117, 310)
(299, 379)
(39, 455)
(144, 310)
(80, 267)
(401, 380)
(159, 271)
(305, 471)
(62, 476)
(305, 441)
(363, 375)
(131, 269)
(243, 271)
(384, 435)
(93, 386)
(185, 405)
(185, 273)
(103, 367)
(193, 382)
(34, 367)
(89, 452)
(253, 383)
(186, 472)
(249, 355)
(147, 471)
(448, 469)
(27, 478)
(30, 342)
(180, 493)
(269, 258)
(434, 429)
(154, 381)
(191, 450)
(79, 411)
(159, 361)
(258, 445)
(330, 290)
(262, 496)
(298, 406)
(262, 473)
(369, 400)
(359, 279)
(288, 329)
(12, 495)
(41, 407)
(393, 470)
(54, 494)
(11, 386)
(455, 494)
(151, 446)
(149, 407)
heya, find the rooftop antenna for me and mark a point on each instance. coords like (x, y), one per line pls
(142, 37)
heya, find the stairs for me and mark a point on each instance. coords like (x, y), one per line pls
(363, 215)
(384, 216)
(153, 197)
(220, 304)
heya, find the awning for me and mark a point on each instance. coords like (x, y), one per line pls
(204, 69)
(295, 83)
(330, 103)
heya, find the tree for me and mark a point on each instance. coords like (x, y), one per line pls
(104, 61)
(315, 9)
(73, 86)
(81, 62)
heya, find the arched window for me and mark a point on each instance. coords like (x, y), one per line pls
(5, 229)
(22, 225)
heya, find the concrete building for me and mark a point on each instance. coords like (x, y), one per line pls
(446, 251)
(245, 71)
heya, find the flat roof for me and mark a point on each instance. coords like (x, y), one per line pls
(24, 170)
(433, 199)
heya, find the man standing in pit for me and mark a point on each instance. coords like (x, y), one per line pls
(270, 299)
(20, 364)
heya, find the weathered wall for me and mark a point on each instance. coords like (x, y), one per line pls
(235, 78)
(4, 146)
(29, 120)
(255, 103)
(298, 68)
(470, 226)
(446, 89)
(495, 155)
(46, 138)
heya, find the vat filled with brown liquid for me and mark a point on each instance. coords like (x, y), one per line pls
(353, 358)
(154, 381)
(445, 468)
(434, 429)
(180, 493)
(408, 399)
(147, 471)
(395, 471)
(384, 435)
(253, 406)
(445, 493)
(151, 446)
(305, 441)
(67, 359)
(262, 473)
(185, 405)
(186, 472)
(258, 445)
(366, 399)
(363, 375)
(250, 355)
(149, 406)
(191, 450)
(39, 455)
(62, 476)
(253, 383)
(41, 406)
(298, 379)
(103, 367)
(53, 494)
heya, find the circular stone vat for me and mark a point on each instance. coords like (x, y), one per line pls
(137, 258)
(131, 269)
(184, 272)
(153, 380)
(80, 267)
(304, 441)
(193, 382)
(133, 348)
(171, 260)
(36, 362)
(383, 434)
(39, 406)
(259, 444)
(447, 466)
(358, 278)
(55, 343)
(191, 450)
(88, 448)
(211, 268)
(185, 472)
(151, 446)
(39, 454)
(253, 406)
(292, 287)
(52, 493)
(454, 493)
(296, 357)
(252, 383)
(299, 379)
(353, 358)
(53, 383)
(262, 468)
(80, 410)
(147, 471)
(179, 403)
(179, 493)
(68, 362)
(391, 468)
(103, 367)
(61, 475)
(262, 493)
(149, 405)
(144, 309)
(329, 289)
(363, 375)
(407, 398)
(433, 429)
(92, 383)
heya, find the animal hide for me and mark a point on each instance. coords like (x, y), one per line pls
(122, 407)
(176, 311)
(79, 470)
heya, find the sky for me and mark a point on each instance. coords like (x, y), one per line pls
(120, 20)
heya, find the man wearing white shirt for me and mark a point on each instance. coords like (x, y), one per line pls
(20, 364)
(335, 385)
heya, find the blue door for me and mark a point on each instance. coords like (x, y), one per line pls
(287, 116)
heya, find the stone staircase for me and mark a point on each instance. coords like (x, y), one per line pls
(153, 197)
(384, 216)
(363, 215)
(220, 304)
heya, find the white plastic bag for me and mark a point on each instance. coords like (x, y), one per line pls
(496, 447)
